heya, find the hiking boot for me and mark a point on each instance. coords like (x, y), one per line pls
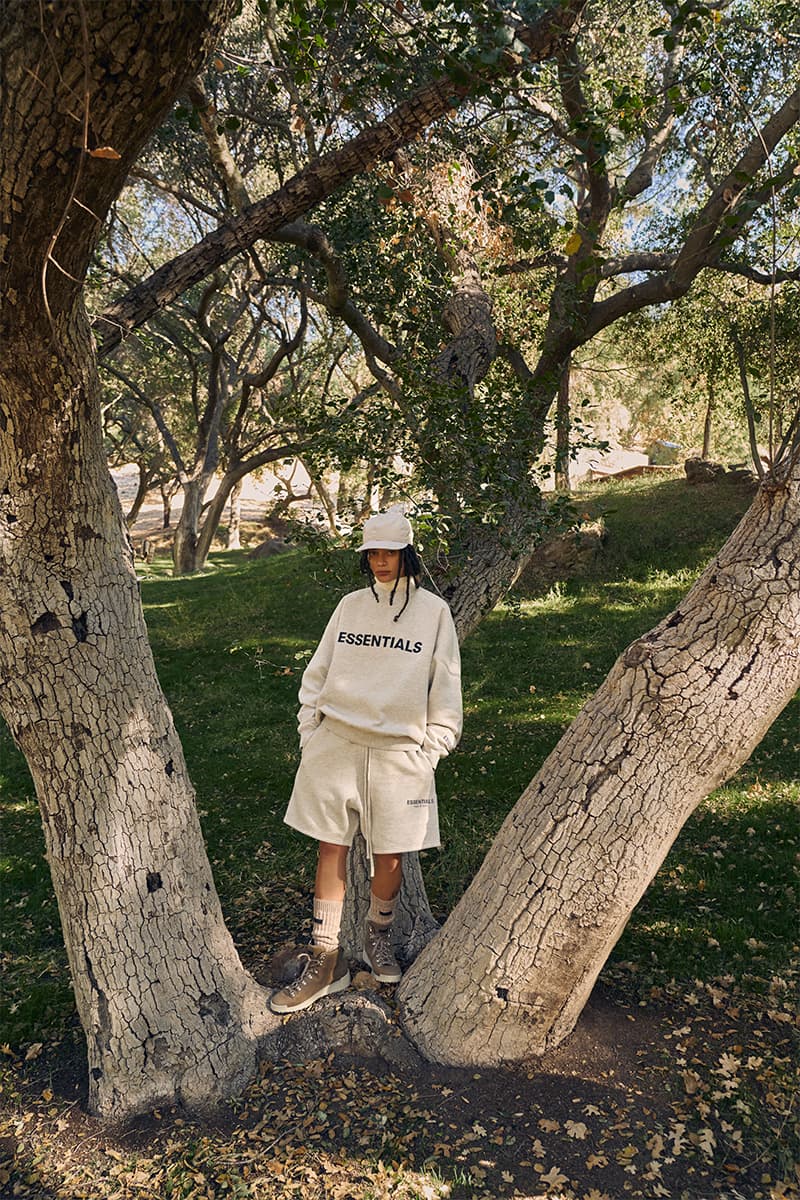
(378, 953)
(324, 972)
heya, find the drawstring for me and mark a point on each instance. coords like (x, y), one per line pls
(367, 814)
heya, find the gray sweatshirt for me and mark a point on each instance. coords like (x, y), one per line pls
(381, 682)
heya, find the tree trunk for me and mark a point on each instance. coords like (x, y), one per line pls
(187, 531)
(143, 486)
(707, 424)
(562, 431)
(169, 1013)
(168, 491)
(413, 925)
(681, 710)
(234, 541)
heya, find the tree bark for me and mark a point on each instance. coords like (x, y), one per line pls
(169, 1013)
(681, 710)
(562, 431)
(234, 541)
(708, 422)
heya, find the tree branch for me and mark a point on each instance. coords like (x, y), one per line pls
(701, 248)
(320, 179)
(172, 189)
(630, 264)
(656, 136)
(337, 300)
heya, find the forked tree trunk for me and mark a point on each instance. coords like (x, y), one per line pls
(680, 711)
(188, 553)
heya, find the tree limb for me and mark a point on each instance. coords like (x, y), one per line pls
(172, 189)
(337, 300)
(321, 179)
(701, 248)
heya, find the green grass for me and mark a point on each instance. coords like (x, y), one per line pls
(231, 645)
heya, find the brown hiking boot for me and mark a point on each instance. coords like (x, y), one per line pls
(324, 972)
(378, 954)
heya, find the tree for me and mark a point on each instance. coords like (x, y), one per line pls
(611, 120)
(168, 1011)
(167, 1008)
(681, 710)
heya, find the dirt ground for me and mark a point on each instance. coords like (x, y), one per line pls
(682, 1096)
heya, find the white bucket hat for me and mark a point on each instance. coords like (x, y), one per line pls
(387, 531)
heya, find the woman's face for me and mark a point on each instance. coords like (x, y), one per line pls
(384, 564)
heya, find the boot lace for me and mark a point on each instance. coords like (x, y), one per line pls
(309, 971)
(380, 948)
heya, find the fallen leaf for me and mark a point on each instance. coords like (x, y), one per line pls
(549, 1126)
(576, 1129)
(554, 1178)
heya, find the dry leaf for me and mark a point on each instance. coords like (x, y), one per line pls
(576, 1129)
(104, 152)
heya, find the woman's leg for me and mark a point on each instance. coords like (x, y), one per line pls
(329, 889)
(326, 971)
(388, 875)
(331, 872)
(384, 893)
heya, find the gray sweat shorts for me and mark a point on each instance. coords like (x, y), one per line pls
(341, 785)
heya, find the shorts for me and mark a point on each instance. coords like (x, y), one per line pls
(341, 785)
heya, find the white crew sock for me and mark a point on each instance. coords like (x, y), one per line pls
(381, 912)
(327, 923)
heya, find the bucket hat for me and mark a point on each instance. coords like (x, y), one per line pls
(387, 531)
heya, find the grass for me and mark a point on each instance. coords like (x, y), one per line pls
(230, 647)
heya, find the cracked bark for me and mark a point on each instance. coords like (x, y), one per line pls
(169, 1013)
(681, 710)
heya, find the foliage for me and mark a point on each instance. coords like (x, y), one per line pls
(654, 100)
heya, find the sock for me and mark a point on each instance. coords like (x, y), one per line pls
(327, 923)
(381, 912)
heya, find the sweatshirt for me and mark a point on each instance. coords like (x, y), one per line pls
(386, 683)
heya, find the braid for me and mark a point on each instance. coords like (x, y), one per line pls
(412, 569)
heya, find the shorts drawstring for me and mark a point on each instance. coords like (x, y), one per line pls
(366, 822)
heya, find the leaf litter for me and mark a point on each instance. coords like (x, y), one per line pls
(688, 1096)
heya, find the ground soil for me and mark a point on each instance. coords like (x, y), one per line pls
(678, 1096)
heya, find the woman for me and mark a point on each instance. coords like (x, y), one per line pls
(380, 705)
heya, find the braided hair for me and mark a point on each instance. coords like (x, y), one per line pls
(410, 567)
